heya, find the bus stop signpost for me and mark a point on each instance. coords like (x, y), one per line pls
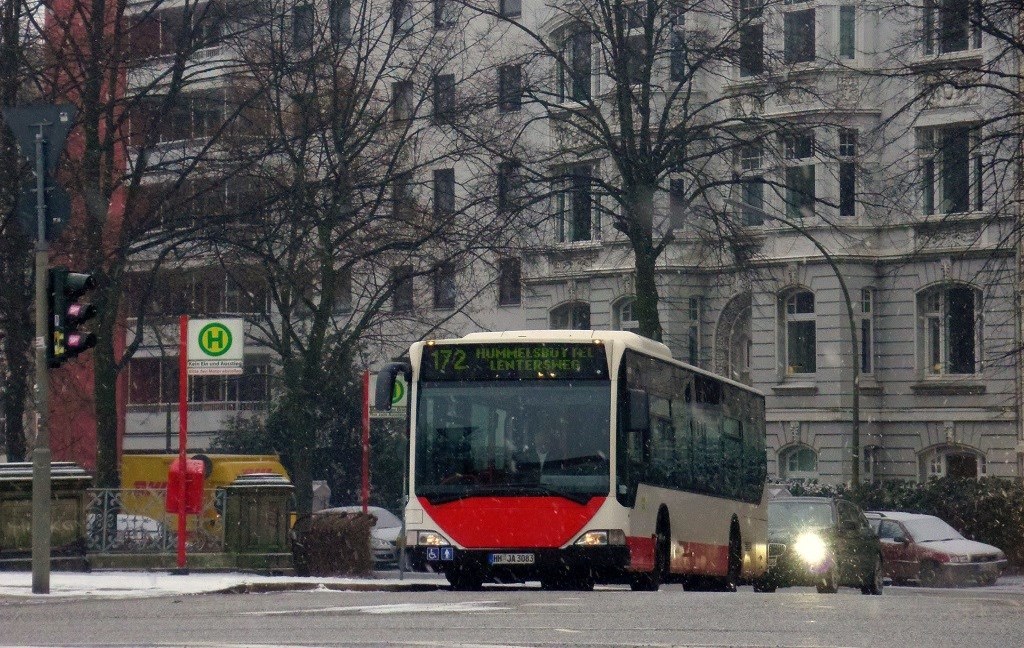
(207, 347)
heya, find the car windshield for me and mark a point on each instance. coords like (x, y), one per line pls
(799, 515)
(930, 529)
(512, 437)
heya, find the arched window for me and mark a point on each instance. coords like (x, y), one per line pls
(952, 461)
(799, 340)
(798, 462)
(949, 329)
(622, 316)
(733, 342)
(574, 315)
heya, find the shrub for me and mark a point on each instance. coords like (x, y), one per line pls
(989, 510)
(332, 544)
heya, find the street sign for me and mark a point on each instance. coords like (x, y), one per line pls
(215, 347)
(56, 122)
(399, 399)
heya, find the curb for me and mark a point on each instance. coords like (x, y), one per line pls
(267, 588)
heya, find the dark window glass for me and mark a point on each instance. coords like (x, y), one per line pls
(847, 32)
(847, 188)
(401, 16)
(575, 206)
(401, 195)
(955, 179)
(144, 381)
(509, 282)
(509, 8)
(677, 203)
(444, 13)
(753, 201)
(402, 298)
(961, 330)
(444, 287)
(341, 18)
(575, 315)
(401, 92)
(508, 179)
(751, 50)
(574, 77)
(800, 191)
(444, 97)
(444, 192)
(799, 36)
(510, 89)
(302, 26)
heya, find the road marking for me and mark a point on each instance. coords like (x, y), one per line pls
(392, 608)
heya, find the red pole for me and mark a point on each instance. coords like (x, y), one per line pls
(366, 441)
(182, 429)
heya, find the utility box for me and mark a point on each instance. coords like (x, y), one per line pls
(69, 485)
(185, 487)
(257, 513)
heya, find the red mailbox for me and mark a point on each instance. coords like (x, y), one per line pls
(185, 487)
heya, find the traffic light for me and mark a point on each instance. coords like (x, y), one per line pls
(67, 314)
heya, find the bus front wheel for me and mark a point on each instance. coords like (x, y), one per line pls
(464, 579)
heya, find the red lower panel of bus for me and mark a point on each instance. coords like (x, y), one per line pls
(513, 522)
(688, 557)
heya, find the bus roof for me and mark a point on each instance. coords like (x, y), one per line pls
(630, 340)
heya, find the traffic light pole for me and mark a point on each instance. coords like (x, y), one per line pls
(41, 449)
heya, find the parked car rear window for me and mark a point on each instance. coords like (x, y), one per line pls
(928, 529)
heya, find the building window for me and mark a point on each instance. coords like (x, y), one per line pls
(677, 203)
(950, 170)
(344, 301)
(798, 36)
(574, 205)
(949, 329)
(574, 67)
(574, 315)
(510, 288)
(751, 34)
(444, 192)
(401, 95)
(847, 172)
(847, 32)
(509, 8)
(798, 462)
(510, 88)
(340, 13)
(749, 159)
(402, 16)
(696, 312)
(508, 186)
(867, 338)
(445, 13)
(152, 381)
(623, 317)
(302, 26)
(402, 202)
(733, 342)
(953, 461)
(947, 26)
(444, 98)
(401, 298)
(800, 189)
(635, 53)
(799, 334)
(678, 57)
(444, 286)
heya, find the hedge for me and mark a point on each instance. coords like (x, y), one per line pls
(989, 510)
(333, 544)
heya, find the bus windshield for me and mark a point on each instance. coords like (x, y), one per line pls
(512, 437)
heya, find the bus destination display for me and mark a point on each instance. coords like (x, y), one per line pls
(516, 361)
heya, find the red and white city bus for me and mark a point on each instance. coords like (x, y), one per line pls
(575, 457)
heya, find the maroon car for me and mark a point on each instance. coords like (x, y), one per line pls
(925, 549)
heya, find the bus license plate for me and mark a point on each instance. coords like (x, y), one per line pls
(512, 559)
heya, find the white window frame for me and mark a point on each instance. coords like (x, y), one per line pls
(934, 330)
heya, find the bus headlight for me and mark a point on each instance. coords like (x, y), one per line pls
(811, 549)
(431, 539)
(602, 538)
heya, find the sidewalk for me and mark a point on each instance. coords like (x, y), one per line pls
(138, 584)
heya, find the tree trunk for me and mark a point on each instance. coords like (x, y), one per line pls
(640, 230)
(105, 372)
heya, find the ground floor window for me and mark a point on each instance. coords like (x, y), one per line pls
(953, 461)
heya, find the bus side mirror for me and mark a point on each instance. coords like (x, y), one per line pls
(639, 409)
(386, 384)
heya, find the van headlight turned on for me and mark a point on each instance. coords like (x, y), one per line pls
(427, 539)
(811, 548)
(602, 538)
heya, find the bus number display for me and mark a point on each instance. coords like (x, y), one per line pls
(537, 361)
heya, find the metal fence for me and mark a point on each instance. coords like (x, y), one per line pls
(135, 521)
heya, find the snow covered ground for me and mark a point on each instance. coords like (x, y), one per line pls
(137, 584)
(134, 584)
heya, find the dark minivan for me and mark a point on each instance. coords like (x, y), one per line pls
(821, 541)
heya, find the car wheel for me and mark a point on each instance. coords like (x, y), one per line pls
(765, 585)
(930, 575)
(828, 583)
(988, 579)
(875, 580)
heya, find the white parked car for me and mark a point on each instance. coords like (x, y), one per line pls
(383, 535)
